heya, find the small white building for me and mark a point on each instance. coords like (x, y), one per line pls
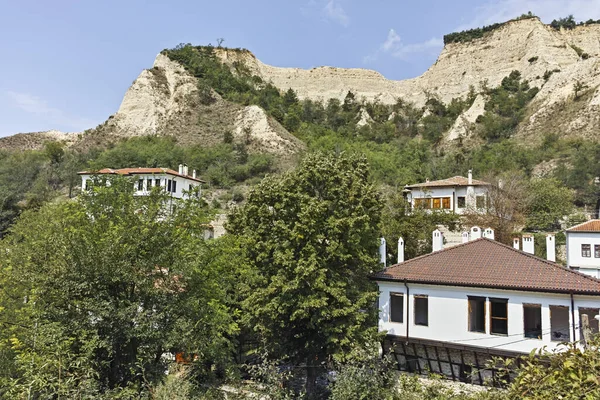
(450, 311)
(176, 183)
(458, 194)
(583, 248)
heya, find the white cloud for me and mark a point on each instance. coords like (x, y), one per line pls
(394, 46)
(392, 40)
(503, 10)
(334, 11)
(35, 105)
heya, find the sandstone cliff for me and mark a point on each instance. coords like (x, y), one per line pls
(163, 100)
(528, 46)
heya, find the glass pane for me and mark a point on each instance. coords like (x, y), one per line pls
(421, 311)
(397, 308)
(499, 326)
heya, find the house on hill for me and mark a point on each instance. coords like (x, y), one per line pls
(176, 183)
(583, 248)
(450, 311)
(458, 194)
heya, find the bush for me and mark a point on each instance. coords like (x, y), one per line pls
(533, 59)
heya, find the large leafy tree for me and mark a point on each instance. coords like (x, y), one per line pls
(111, 284)
(311, 241)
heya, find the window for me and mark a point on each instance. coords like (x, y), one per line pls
(532, 319)
(559, 324)
(174, 186)
(421, 310)
(437, 203)
(591, 313)
(168, 185)
(499, 316)
(149, 183)
(157, 182)
(446, 202)
(461, 201)
(140, 184)
(597, 251)
(396, 307)
(586, 250)
(423, 203)
(480, 201)
(191, 187)
(476, 314)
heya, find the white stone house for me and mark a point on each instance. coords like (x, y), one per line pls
(450, 311)
(177, 183)
(458, 194)
(583, 248)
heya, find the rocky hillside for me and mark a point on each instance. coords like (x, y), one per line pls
(528, 45)
(163, 100)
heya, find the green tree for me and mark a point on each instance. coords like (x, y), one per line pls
(111, 282)
(311, 240)
(548, 201)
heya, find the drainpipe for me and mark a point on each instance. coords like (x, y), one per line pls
(573, 315)
(407, 309)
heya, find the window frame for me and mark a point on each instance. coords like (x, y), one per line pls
(446, 203)
(498, 300)
(525, 333)
(140, 186)
(554, 327)
(157, 182)
(597, 251)
(461, 199)
(401, 296)
(586, 250)
(174, 186)
(421, 297)
(469, 311)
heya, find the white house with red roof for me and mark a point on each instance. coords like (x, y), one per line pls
(177, 183)
(458, 194)
(449, 311)
(583, 248)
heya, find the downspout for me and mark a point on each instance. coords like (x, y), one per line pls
(407, 309)
(573, 315)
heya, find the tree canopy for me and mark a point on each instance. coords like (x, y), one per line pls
(311, 240)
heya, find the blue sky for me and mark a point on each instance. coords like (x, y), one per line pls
(66, 64)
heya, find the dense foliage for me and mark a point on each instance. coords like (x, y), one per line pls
(111, 283)
(310, 238)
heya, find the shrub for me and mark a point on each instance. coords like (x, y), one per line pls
(533, 59)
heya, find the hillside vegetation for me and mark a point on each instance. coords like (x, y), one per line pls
(402, 142)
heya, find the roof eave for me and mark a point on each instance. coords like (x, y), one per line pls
(437, 283)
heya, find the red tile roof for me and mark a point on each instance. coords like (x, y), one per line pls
(454, 181)
(590, 226)
(135, 171)
(489, 264)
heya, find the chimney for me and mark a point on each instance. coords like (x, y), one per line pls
(516, 243)
(400, 250)
(185, 169)
(194, 173)
(470, 177)
(465, 237)
(382, 250)
(180, 169)
(475, 233)
(528, 245)
(489, 233)
(437, 243)
(550, 248)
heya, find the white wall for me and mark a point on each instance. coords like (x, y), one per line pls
(448, 315)
(452, 192)
(182, 183)
(589, 265)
